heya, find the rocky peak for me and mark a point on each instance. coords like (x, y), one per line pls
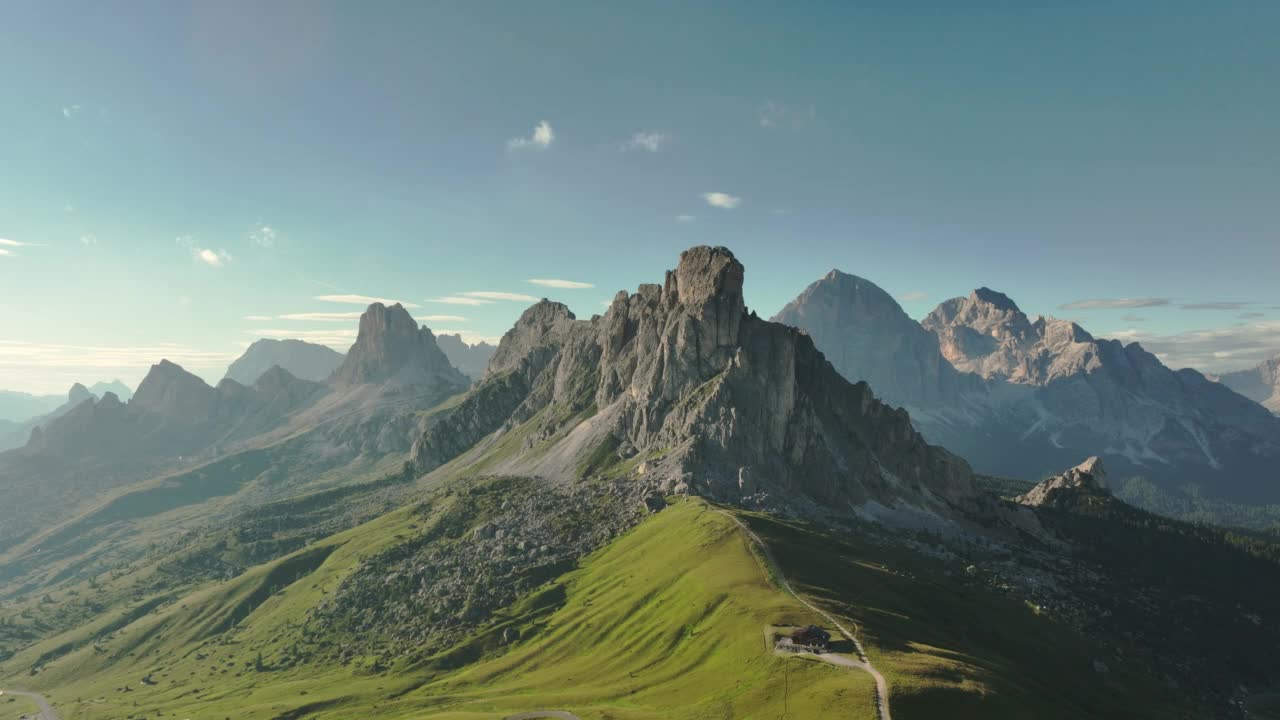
(78, 394)
(1086, 479)
(997, 300)
(714, 400)
(171, 391)
(392, 349)
(867, 336)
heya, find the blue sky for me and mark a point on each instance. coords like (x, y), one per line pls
(177, 177)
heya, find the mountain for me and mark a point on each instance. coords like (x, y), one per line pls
(303, 360)
(1087, 478)
(120, 390)
(1260, 383)
(17, 434)
(20, 406)
(694, 394)
(470, 359)
(1022, 396)
(393, 351)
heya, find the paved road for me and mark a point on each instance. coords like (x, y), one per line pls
(862, 663)
(46, 710)
(559, 714)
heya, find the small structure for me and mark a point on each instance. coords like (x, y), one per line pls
(810, 638)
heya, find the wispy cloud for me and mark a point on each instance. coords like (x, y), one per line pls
(1220, 349)
(541, 138)
(1216, 306)
(1114, 303)
(456, 300)
(1134, 318)
(264, 236)
(562, 284)
(362, 300)
(721, 200)
(70, 111)
(913, 296)
(495, 295)
(440, 318)
(1250, 315)
(773, 115)
(685, 218)
(14, 243)
(88, 239)
(321, 316)
(650, 141)
(257, 318)
(4, 252)
(53, 367)
(335, 338)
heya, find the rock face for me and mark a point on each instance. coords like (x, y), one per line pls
(470, 359)
(170, 391)
(303, 360)
(392, 350)
(1030, 395)
(1087, 479)
(1260, 383)
(700, 396)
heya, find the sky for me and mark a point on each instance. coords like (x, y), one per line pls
(179, 179)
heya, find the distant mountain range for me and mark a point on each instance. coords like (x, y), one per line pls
(470, 359)
(1020, 397)
(1260, 383)
(303, 360)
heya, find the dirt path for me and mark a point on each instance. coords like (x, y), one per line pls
(862, 663)
(46, 710)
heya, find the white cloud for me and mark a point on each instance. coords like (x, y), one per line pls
(685, 218)
(257, 318)
(541, 138)
(493, 295)
(651, 141)
(455, 300)
(562, 284)
(264, 236)
(5, 252)
(913, 296)
(362, 300)
(88, 239)
(70, 111)
(721, 200)
(212, 258)
(424, 319)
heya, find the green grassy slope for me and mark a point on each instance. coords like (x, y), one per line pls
(665, 622)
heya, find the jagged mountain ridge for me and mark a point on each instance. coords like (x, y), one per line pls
(1260, 383)
(699, 396)
(472, 360)
(303, 360)
(1049, 391)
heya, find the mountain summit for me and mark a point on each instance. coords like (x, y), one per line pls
(392, 349)
(690, 392)
(1260, 383)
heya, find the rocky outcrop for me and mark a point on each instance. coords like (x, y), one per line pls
(1260, 383)
(303, 360)
(393, 351)
(1086, 479)
(470, 359)
(698, 395)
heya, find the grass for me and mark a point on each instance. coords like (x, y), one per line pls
(13, 707)
(665, 622)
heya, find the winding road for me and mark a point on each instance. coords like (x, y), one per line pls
(46, 710)
(862, 663)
